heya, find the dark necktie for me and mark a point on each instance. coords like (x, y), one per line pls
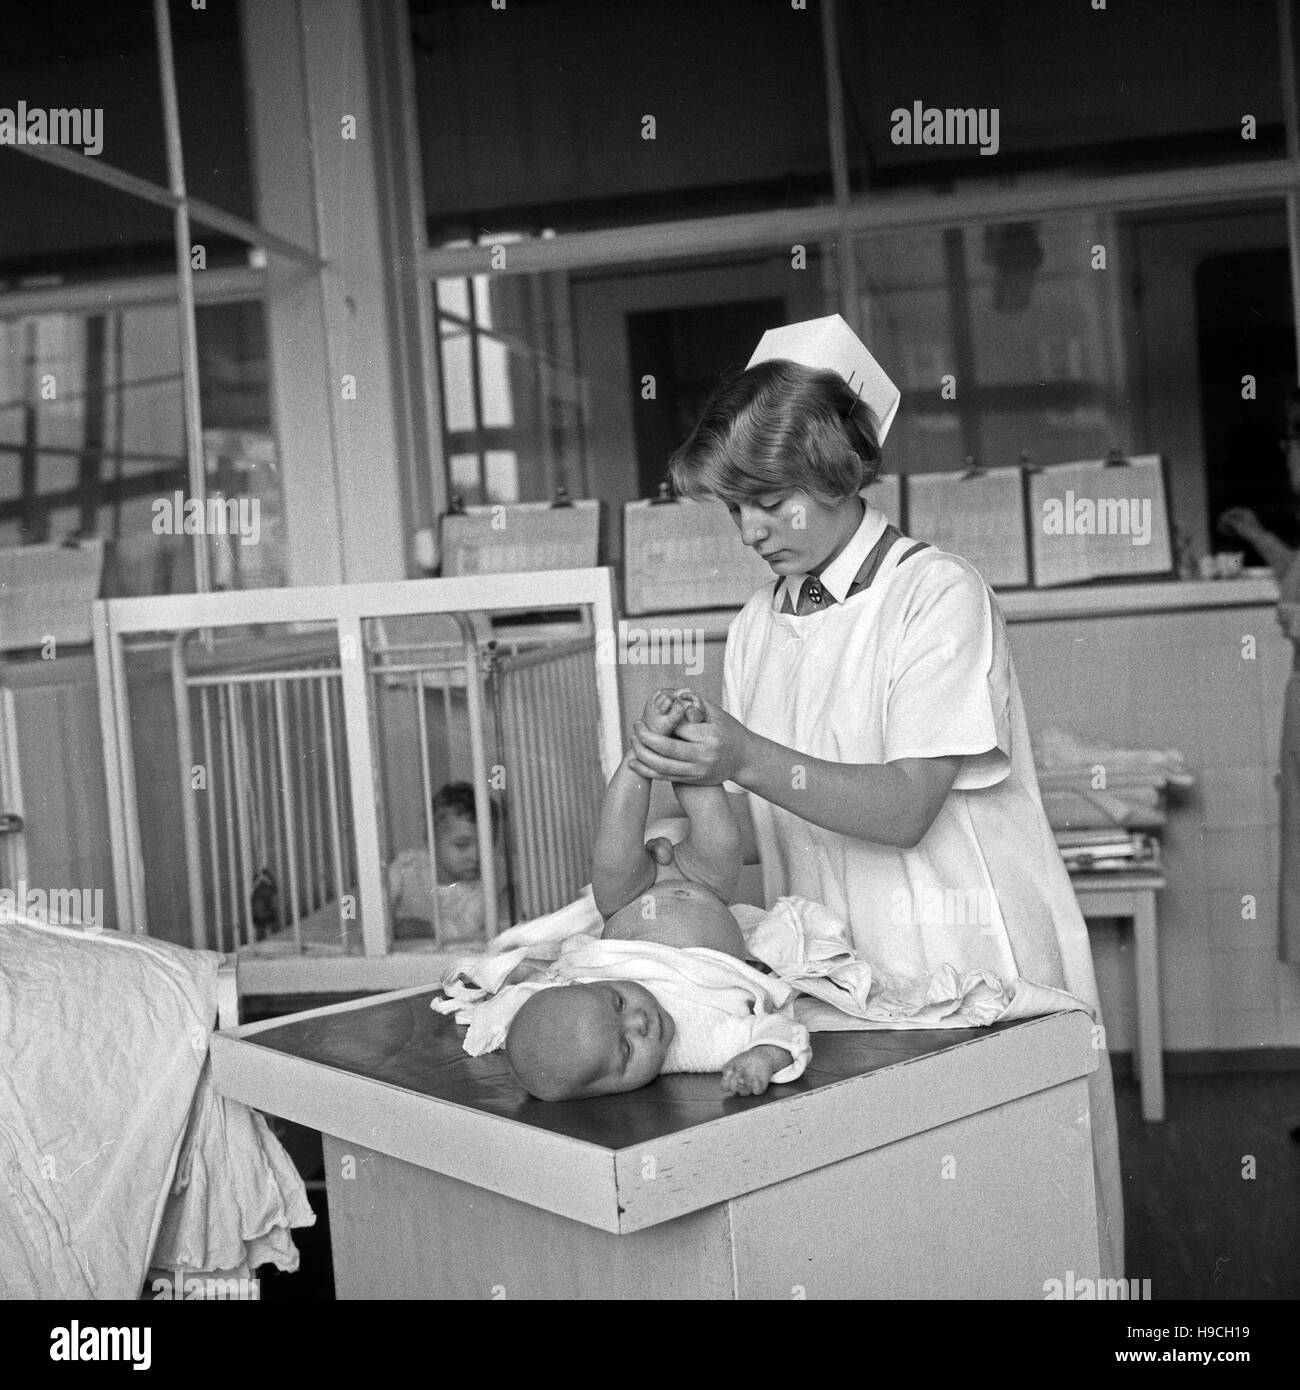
(814, 599)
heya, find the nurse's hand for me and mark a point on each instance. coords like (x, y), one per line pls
(707, 753)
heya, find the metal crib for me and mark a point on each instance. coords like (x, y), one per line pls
(280, 759)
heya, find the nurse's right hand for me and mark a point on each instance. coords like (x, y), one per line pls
(705, 754)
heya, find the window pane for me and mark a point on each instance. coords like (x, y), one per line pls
(101, 62)
(532, 117)
(589, 379)
(92, 444)
(1019, 338)
(1144, 84)
(1002, 339)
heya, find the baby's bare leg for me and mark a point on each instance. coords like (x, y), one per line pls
(711, 852)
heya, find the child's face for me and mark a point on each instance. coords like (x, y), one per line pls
(592, 1039)
(457, 845)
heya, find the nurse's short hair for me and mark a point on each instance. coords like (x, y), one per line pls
(776, 426)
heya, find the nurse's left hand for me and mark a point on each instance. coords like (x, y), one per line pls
(707, 753)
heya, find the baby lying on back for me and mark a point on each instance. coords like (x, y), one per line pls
(606, 1035)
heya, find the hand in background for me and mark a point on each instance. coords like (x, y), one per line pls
(1240, 521)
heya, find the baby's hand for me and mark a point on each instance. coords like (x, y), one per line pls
(750, 1072)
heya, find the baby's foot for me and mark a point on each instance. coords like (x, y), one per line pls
(666, 709)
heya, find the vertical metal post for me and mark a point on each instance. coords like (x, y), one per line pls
(426, 793)
(331, 770)
(243, 792)
(119, 775)
(286, 800)
(189, 813)
(13, 847)
(479, 776)
(317, 796)
(210, 802)
(363, 785)
(846, 266)
(185, 282)
(228, 797)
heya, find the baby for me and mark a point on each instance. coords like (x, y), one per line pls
(604, 1036)
(461, 904)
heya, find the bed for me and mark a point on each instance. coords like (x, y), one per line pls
(118, 1156)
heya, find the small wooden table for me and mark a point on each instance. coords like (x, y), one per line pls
(937, 1164)
(1133, 895)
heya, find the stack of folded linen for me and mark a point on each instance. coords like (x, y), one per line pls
(1094, 787)
(1101, 851)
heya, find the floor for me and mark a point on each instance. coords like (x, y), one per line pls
(1212, 1195)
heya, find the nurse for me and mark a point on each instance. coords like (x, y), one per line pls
(872, 720)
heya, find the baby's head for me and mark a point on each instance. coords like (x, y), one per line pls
(455, 824)
(569, 1042)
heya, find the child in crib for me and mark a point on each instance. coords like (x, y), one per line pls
(608, 1035)
(460, 883)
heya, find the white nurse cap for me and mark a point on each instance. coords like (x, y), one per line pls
(829, 344)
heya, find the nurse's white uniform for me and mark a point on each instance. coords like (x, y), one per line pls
(916, 665)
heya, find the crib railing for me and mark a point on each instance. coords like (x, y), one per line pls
(269, 843)
(547, 705)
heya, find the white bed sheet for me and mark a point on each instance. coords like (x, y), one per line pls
(116, 1154)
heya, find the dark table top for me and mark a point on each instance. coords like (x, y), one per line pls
(402, 1042)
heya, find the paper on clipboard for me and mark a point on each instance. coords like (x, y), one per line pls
(684, 554)
(980, 517)
(46, 592)
(521, 537)
(1094, 520)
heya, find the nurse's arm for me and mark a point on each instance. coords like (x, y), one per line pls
(887, 803)
(892, 803)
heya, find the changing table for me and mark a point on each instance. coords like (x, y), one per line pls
(935, 1164)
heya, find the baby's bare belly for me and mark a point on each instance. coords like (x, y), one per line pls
(676, 912)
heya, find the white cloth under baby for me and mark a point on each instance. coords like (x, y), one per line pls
(807, 948)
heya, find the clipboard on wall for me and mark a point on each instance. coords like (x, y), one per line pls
(1100, 519)
(520, 537)
(979, 514)
(46, 592)
(680, 554)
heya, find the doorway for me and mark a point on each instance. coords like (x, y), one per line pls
(1210, 302)
(1246, 327)
(686, 350)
